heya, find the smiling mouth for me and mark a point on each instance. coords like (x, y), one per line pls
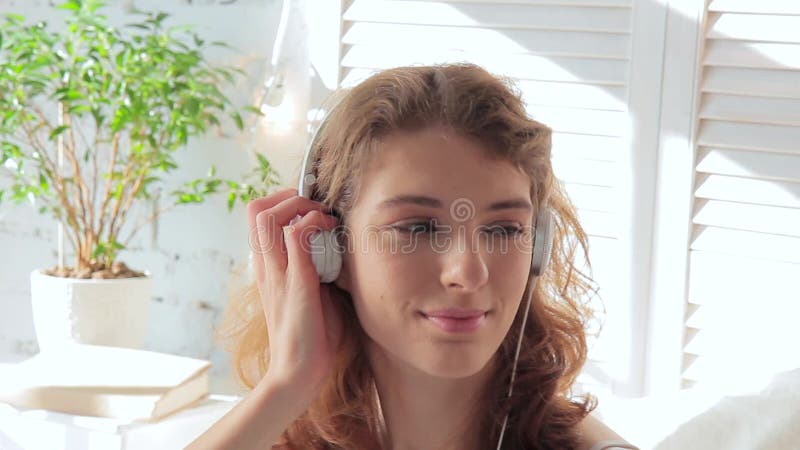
(456, 325)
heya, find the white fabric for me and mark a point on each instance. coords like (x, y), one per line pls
(711, 418)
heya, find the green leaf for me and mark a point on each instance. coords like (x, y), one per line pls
(231, 200)
(211, 186)
(58, 130)
(99, 250)
(190, 198)
(253, 109)
(161, 16)
(70, 95)
(212, 171)
(71, 5)
(79, 109)
(138, 25)
(238, 119)
(14, 18)
(220, 44)
(263, 162)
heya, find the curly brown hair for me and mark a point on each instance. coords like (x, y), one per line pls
(543, 413)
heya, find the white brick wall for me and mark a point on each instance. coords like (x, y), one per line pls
(197, 247)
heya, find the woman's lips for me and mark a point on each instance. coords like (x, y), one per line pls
(454, 325)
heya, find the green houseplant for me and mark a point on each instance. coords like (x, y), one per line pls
(90, 119)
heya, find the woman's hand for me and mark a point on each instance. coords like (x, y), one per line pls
(304, 328)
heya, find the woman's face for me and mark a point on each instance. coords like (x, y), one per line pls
(423, 237)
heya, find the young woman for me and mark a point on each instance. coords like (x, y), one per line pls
(431, 177)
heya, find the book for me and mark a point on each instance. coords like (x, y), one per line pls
(113, 382)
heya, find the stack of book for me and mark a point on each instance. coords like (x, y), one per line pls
(92, 397)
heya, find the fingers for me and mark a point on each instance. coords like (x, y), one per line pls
(253, 208)
(269, 215)
(297, 238)
(262, 204)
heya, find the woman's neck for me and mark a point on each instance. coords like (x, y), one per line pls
(422, 412)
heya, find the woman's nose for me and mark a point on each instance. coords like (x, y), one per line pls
(464, 265)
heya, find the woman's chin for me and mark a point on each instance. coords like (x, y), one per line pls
(453, 365)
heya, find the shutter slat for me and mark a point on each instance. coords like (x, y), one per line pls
(753, 82)
(579, 146)
(728, 319)
(592, 198)
(754, 164)
(586, 172)
(749, 136)
(752, 54)
(744, 216)
(728, 280)
(577, 95)
(756, 7)
(751, 27)
(603, 253)
(589, 3)
(740, 108)
(748, 190)
(492, 15)
(583, 121)
(523, 66)
(763, 246)
(598, 223)
(403, 38)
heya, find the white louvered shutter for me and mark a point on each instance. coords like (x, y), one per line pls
(744, 258)
(570, 59)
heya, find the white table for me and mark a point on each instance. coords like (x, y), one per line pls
(48, 430)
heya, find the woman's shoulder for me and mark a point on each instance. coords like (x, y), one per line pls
(595, 435)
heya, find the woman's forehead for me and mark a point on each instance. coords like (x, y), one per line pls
(438, 164)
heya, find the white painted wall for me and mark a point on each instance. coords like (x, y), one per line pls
(195, 249)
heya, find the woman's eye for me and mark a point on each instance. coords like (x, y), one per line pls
(432, 226)
(506, 231)
(417, 227)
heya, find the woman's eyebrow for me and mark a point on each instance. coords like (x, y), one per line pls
(430, 202)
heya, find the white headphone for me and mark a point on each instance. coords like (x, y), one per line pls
(327, 254)
(325, 250)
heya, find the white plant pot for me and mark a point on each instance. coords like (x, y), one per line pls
(110, 312)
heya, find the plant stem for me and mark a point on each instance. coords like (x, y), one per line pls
(111, 163)
(60, 186)
(149, 219)
(129, 201)
(85, 250)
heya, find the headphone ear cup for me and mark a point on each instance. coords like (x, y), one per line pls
(542, 241)
(326, 256)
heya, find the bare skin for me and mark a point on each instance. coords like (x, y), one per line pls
(427, 379)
